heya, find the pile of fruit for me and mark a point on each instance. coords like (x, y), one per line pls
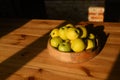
(69, 38)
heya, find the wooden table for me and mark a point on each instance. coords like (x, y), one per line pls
(24, 54)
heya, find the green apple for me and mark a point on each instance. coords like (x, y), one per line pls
(84, 32)
(54, 33)
(62, 32)
(55, 41)
(91, 36)
(72, 33)
(90, 44)
(77, 45)
(64, 46)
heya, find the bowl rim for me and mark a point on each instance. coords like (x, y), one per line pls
(72, 57)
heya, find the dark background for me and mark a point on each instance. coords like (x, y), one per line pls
(112, 10)
(22, 9)
(58, 9)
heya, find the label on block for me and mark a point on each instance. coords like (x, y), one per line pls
(96, 14)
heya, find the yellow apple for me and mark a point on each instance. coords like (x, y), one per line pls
(55, 41)
(69, 25)
(90, 44)
(72, 33)
(77, 45)
(62, 32)
(54, 33)
(84, 32)
(91, 36)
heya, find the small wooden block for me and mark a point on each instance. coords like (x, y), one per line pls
(96, 14)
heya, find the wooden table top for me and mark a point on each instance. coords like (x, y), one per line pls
(24, 54)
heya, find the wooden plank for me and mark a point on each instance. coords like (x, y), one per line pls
(114, 38)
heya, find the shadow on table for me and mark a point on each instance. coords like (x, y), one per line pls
(19, 59)
(102, 38)
(115, 72)
(8, 25)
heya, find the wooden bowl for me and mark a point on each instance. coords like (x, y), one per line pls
(71, 57)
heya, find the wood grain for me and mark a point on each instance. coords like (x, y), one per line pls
(24, 55)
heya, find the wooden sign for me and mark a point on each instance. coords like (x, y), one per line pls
(96, 14)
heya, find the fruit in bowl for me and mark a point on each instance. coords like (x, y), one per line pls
(72, 44)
